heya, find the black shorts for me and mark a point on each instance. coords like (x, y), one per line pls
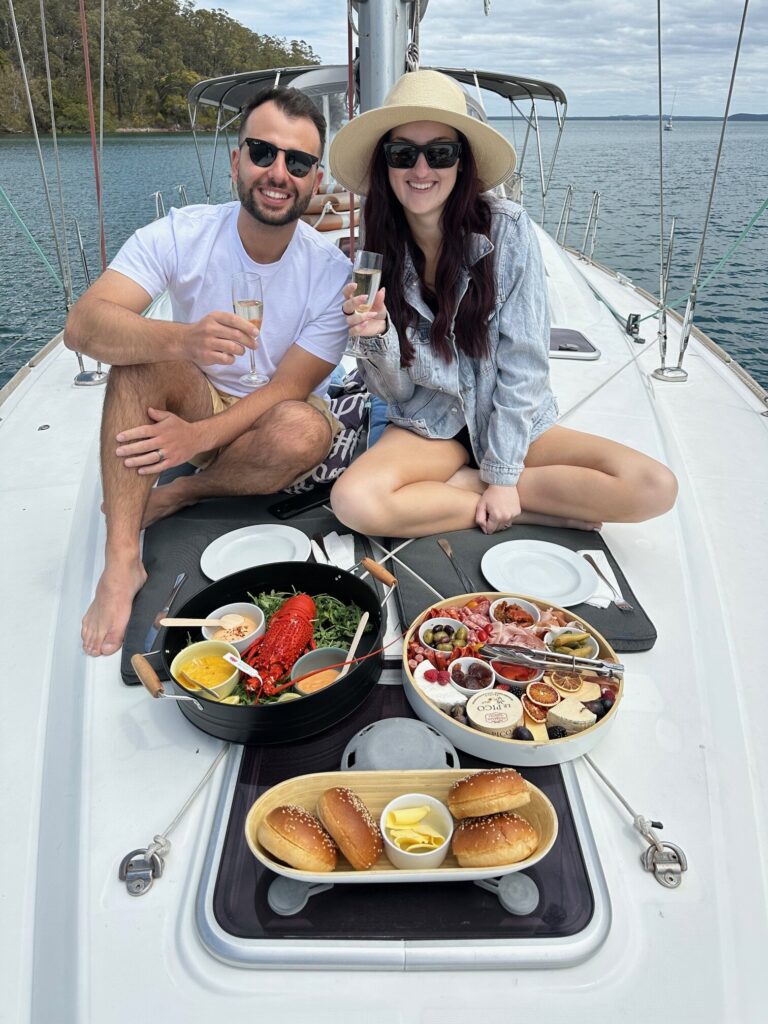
(463, 438)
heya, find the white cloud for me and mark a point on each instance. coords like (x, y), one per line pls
(602, 53)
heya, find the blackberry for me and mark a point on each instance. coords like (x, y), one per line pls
(518, 691)
(556, 732)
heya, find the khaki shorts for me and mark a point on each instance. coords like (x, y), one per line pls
(220, 401)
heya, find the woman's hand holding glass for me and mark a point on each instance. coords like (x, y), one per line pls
(363, 325)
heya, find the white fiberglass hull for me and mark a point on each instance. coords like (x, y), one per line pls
(93, 769)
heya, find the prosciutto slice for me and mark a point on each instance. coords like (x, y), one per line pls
(508, 634)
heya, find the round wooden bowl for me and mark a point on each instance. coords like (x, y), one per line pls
(522, 753)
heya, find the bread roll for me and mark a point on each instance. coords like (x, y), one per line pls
(296, 837)
(351, 826)
(500, 789)
(493, 840)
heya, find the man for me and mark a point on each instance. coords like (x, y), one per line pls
(174, 390)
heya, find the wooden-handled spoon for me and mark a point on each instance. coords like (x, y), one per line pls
(354, 645)
(226, 622)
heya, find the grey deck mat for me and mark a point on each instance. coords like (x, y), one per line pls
(175, 545)
(625, 631)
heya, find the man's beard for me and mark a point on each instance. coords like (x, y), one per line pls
(273, 218)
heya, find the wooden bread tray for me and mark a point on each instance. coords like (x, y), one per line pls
(376, 789)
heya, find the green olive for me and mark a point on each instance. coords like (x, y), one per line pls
(428, 636)
(461, 634)
(445, 647)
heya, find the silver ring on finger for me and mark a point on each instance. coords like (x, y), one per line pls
(160, 455)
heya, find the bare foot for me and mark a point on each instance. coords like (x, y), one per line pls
(105, 622)
(467, 479)
(538, 519)
(164, 501)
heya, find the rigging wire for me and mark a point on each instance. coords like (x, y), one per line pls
(33, 121)
(66, 269)
(101, 113)
(662, 312)
(92, 128)
(689, 310)
(412, 54)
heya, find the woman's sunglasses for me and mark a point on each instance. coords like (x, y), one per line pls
(264, 154)
(403, 155)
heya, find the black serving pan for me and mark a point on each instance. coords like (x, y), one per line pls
(289, 720)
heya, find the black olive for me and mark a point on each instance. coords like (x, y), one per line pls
(521, 733)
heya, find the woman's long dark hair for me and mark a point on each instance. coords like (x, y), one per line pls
(386, 231)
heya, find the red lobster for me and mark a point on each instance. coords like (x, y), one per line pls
(274, 653)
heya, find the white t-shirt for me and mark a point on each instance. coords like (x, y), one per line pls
(193, 253)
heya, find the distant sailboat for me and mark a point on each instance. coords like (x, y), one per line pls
(668, 122)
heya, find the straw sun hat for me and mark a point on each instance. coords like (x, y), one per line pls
(419, 96)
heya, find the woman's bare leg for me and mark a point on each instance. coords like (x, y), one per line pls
(398, 488)
(409, 486)
(572, 474)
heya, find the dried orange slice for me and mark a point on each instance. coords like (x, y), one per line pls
(543, 694)
(566, 683)
(534, 711)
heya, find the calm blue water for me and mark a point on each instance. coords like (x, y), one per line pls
(617, 158)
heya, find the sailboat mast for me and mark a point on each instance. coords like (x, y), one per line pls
(383, 31)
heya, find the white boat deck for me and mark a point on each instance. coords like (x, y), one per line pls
(93, 769)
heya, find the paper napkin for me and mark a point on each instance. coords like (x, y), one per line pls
(340, 548)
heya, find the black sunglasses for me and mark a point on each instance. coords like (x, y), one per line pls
(264, 154)
(403, 155)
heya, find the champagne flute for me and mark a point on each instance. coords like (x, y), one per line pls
(248, 303)
(366, 276)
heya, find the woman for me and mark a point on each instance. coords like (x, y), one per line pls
(460, 350)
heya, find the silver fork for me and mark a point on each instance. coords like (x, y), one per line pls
(618, 600)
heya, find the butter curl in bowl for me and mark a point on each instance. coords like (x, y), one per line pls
(417, 829)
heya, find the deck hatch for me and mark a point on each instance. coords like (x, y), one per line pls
(395, 926)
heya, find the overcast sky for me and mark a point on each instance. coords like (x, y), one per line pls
(602, 53)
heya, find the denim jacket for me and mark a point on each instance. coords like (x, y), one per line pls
(505, 398)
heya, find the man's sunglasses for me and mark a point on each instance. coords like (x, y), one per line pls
(403, 155)
(264, 154)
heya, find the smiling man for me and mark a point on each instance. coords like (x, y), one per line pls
(175, 392)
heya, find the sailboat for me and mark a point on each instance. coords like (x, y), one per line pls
(668, 119)
(129, 887)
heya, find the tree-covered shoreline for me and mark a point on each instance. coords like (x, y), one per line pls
(154, 52)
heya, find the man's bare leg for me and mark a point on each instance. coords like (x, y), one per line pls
(288, 440)
(182, 388)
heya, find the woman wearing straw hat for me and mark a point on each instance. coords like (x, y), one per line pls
(460, 350)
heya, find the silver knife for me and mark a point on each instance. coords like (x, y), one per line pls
(154, 629)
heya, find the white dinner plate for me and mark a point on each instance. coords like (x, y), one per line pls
(254, 545)
(539, 569)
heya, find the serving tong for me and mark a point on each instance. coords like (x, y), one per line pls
(517, 654)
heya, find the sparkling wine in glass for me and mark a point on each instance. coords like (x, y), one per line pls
(248, 302)
(366, 276)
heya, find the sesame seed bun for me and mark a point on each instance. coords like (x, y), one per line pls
(493, 840)
(500, 789)
(297, 838)
(350, 824)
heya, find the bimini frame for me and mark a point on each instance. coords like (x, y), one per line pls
(230, 93)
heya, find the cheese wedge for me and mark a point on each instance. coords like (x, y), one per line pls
(571, 715)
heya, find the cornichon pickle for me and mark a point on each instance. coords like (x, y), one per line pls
(580, 652)
(569, 639)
